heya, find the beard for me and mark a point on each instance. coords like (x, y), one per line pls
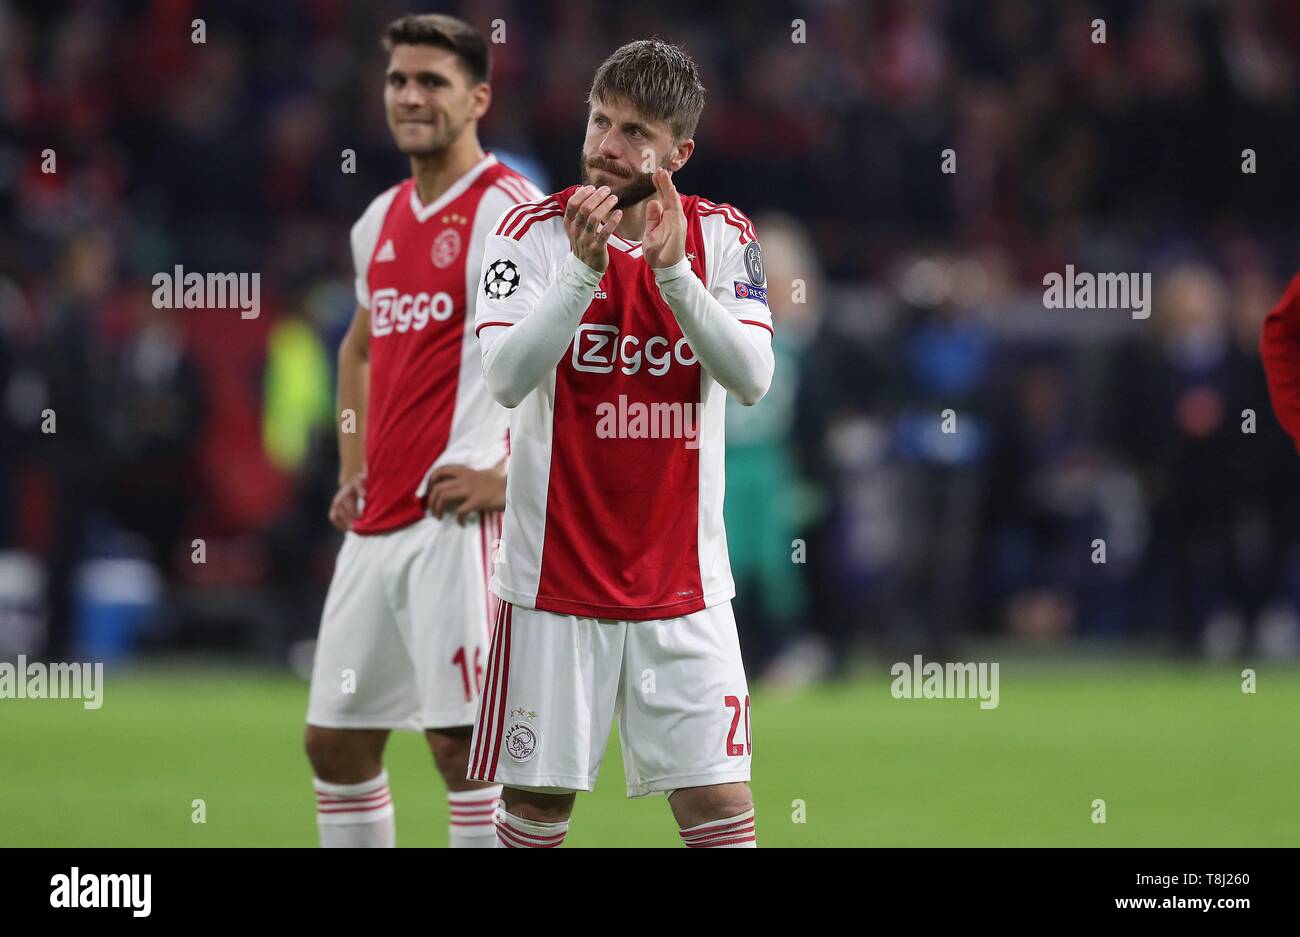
(638, 187)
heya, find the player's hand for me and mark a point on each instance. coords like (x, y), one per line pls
(464, 490)
(345, 509)
(664, 242)
(589, 219)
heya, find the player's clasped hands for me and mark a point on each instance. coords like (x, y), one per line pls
(589, 219)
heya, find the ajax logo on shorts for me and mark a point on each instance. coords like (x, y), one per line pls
(522, 741)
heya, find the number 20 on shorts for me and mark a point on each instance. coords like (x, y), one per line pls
(734, 748)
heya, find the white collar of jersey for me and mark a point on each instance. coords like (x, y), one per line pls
(631, 248)
(424, 212)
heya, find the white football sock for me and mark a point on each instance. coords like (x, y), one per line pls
(473, 824)
(731, 833)
(355, 815)
(517, 833)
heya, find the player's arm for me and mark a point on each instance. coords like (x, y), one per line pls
(354, 390)
(354, 372)
(1279, 350)
(737, 354)
(524, 333)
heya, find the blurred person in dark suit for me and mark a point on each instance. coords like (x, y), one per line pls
(1218, 512)
(73, 373)
(940, 439)
(154, 425)
(1044, 500)
(839, 414)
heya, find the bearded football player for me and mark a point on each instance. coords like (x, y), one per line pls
(621, 294)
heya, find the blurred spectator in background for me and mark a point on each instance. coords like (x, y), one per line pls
(767, 500)
(73, 373)
(154, 423)
(1180, 437)
(1029, 534)
(298, 433)
(941, 441)
(1215, 478)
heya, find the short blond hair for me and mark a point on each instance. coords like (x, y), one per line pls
(657, 78)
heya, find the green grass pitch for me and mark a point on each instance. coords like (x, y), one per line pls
(1180, 756)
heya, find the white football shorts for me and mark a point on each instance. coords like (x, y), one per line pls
(404, 636)
(555, 683)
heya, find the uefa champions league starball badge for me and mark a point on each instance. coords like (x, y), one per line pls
(501, 280)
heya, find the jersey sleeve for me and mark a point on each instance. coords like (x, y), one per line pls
(1279, 351)
(365, 237)
(514, 272)
(495, 203)
(725, 318)
(529, 307)
(736, 277)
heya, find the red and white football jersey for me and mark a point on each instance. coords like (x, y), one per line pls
(611, 511)
(417, 274)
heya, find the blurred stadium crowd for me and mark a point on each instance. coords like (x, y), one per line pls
(899, 291)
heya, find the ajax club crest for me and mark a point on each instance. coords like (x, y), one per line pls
(446, 248)
(522, 741)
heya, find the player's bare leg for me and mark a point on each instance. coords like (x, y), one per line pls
(534, 819)
(471, 804)
(716, 815)
(353, 804)
(450, 749)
